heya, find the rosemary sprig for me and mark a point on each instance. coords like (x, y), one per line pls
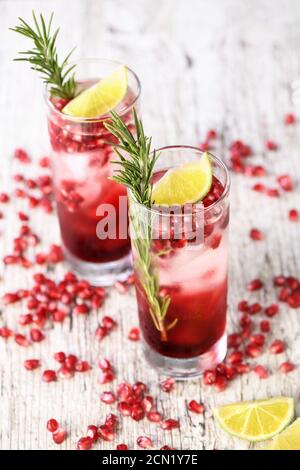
(135, 172)
(43, 56)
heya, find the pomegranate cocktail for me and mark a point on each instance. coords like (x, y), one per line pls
(179, 219)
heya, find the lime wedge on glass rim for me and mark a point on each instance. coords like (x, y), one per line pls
(100, 98)
(256, 420)
(188, 183)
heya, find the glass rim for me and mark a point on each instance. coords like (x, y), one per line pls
(198, 209)
(103, 117)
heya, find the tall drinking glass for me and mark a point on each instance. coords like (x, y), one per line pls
(180, 261)
(81, 161)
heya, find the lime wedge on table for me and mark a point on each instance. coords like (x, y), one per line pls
(100, 98)
(187, 184)
(289, 439)
(256, 420)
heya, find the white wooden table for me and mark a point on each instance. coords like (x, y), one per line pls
(223, 64)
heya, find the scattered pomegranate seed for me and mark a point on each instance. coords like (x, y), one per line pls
(106, 433)
(49, 376)
(220, 383)
(265, 326)
(196, 407)
(22, 155)
(294, 299)
(286, 182)
(204, 146)
(293, 215)
(277, 347)
(235, 357)
(211, 134)
(234, 340)
(134, 334)
(84, 443)
(59, 436)
(167, 385)
(124, 408)
(10, 298)
(106, 377)
(36, 335)
(209, 377)
(258, 339)
(286, 367)
(31, 364)
(137, 413)
(108, 397)
(6, 332)
(100, 333)
(254, 285)
(21, 340)
(82, 366)
(122, 447)
(289, 119)
(154, 417)
(92, 432)
(255, 308)
(256, 234)
(259, 188)
(272, 192)
(52, 425)
(60, 357)
(44, 162)
(253, 350)
(243, 306)
(271, 145)
(4, 198)
(261, 371)
(272, 310)
(242, 368)
(81, 309)
(144, 442)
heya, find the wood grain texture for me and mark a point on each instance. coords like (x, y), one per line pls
(202, 64)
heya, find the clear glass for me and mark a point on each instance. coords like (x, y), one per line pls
(81, 162)
(188, 270)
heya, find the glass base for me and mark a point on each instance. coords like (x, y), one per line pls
(185, 369)
(100, 274)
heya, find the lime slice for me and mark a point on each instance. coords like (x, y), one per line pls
(187, 184)
(289, 439)
(256, 420)
(100, 98)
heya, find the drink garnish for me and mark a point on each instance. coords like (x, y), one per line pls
(189, 183)
(136, 172)
(43, 58)
(256, 420)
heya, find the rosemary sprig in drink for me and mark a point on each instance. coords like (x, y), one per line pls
(43, 56)
(135, 172)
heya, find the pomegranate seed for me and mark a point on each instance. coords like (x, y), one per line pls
(44, 162)
(209, 377)
(204, 146)
(196, 407)
(6, 332)
(286, 367)
(4, 198)
(60, 357)
(84, 443)
(258, 187)
(279, 281)
(108, 397)
(211, 134)
(258, 339)
(144, 442)
(154, 417)
(65, 373)
(293, 283)
(121, 287)
(137, 413)
(82, 366)
(31, 364)
(230, 373)
(246, 332)
(59, 436)
(254, 285)
(265, 326)
(221, 369)
(220, 383)
(272, 310)
(10, 298)
(245, 321)
(289, 119)
(121, 447)
(22, 155)
(272, 192)
(235, 357)
(106, 433)
(106, 377)
(124, 408)
(234, 340)
(167, 385)
(286, 182)
(256, 234)
(21, 340)
(49, 376)
(293, 215)
(242, 368)
(277, 347)
(36, 335)
(108, 323)
(284, 294)
(71, 361)
(147, 403)
(166, 447)
(253, 350)
(134, 334)
(92, 432)
(104, 364)
(261, 371)
(25, 320)
(52, 425)
(255, 308)
(294, 299)
(81, 309)
(111, 421)
(139, 389)
(169, 424)
(271, 145)
(243, 306)
(100, 333)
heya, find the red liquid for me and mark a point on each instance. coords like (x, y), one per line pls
(196, 282)
(82, 165)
